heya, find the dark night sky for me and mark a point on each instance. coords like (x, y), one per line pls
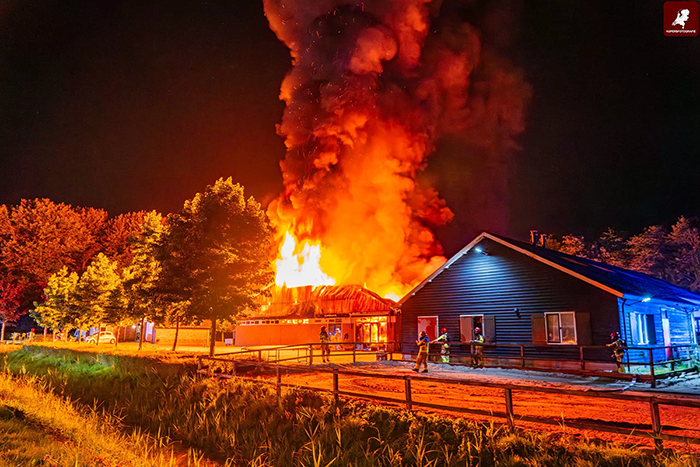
(138, 105)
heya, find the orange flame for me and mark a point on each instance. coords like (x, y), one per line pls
(297, 267)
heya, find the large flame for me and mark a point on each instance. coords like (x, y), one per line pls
(373, 85)
(297, 267)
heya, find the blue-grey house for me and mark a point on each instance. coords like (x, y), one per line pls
(521, 293)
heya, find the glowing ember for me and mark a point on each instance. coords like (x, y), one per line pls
(299, 267)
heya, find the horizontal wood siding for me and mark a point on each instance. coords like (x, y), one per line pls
(498, 283)
(680, 325)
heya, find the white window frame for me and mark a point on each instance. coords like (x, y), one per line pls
(559, 313)
(639, 327)
(472, 333)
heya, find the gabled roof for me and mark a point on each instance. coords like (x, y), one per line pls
(620, 282)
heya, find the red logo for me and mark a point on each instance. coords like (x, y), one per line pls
(681, 19)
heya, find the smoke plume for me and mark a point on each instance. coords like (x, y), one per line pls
(374, 84)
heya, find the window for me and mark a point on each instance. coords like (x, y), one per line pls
(429, 324)
(642, 327)
(467, 324)
(561, 327)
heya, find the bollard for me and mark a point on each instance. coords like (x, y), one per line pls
(354, 356)
(311, 354)
(651, 366)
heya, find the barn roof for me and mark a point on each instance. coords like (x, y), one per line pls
(620, 282)
(327, 300)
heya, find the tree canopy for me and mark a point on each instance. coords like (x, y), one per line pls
(215, 254)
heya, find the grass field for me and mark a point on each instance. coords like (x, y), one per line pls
(244, 424)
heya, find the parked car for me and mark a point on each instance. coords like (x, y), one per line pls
(105, 336)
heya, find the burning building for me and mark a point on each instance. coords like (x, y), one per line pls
(372, 88)
(294, 316)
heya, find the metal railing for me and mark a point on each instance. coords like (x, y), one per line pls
(653, 430)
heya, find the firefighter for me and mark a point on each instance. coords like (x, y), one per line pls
(445, 339)
(423, 343)
(477, 349)
(325, 345)
(618, 346)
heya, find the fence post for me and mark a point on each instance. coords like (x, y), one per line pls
(354, 356)
(651, 366)
(583, 362)
(235, 365)
(409, 399)
(656, 424)
(522, 356)
(336, 396)
(311, 354)
(260, 356)
(509, 408)
(199, 364)
(279, 385)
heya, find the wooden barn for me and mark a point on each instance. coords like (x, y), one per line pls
(521, 293)
(295, 315)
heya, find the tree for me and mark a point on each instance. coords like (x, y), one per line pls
(684, 238)
(215, 254)
(139, 278)
(58, 309)
(96, 295)
(10, 296)
(39, 237)
(671, 256)
(119, 235)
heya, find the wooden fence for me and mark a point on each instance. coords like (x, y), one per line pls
(517, 356)
(653, 430)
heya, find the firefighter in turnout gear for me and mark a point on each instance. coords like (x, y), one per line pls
(445, 339)
(423, 343)
(325, 345)
(618, 346)
(477, 349)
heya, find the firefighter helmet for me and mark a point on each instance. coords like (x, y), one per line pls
(443, 331)
(423, 334)
(477, 330)
(614, 335)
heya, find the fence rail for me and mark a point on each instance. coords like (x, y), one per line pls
(653, 430)
(507, 355)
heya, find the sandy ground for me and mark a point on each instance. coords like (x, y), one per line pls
(563, 409)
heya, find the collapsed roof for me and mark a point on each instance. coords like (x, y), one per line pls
(326, 300)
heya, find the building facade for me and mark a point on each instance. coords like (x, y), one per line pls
(519, 293)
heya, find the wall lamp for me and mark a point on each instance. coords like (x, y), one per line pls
(483, 251)
(643, 300)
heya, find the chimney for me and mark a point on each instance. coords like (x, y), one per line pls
(543, 241)
(534, 237)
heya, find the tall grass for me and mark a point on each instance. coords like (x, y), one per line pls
(242, 423)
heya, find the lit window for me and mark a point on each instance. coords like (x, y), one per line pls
(642, 327)
(561, 327)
